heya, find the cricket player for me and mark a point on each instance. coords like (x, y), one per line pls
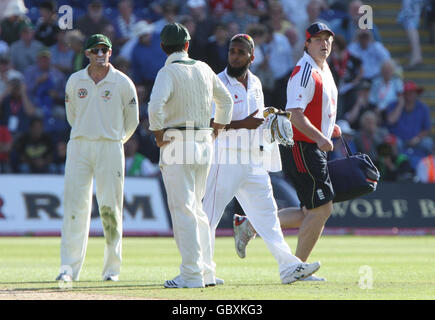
(180, 109)
(248, 180)
(102, 109)
(312, 99)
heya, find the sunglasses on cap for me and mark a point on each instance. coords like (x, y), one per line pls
(97, 50)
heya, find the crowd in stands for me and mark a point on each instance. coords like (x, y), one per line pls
(379, 111)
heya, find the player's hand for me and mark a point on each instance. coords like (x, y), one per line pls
(251, 122)
(336, 132)
(325, 144)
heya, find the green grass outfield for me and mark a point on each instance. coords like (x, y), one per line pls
(402, 268)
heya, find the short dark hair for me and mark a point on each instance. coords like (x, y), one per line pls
(171, 49)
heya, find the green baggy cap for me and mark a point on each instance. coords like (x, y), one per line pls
(97, 39)
(174, 34)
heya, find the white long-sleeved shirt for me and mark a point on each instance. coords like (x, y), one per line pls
(107, 110)
(184, 92)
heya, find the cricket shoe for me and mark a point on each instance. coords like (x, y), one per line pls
(64, 277)
(243, 233)
(314, 278)
(298, 271)
(111, 278)
(177, 282)
(218, 282)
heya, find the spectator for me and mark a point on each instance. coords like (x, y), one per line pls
(205, 24)
(169, 15)
(14, 18)
(61, 54)
(196, 48)
(17, 107)
(216, 50)
(45, 86)
(372, 53)
(260, 66)
(296, 12)
(393, 166)
(59, 158)
(47, 25)
(314, 9)
(75, 40)
(4, 47)
(348, 135)
(409, 18)
(278, 53)
(93, 21)
(370, 135)
(24, 51)
(387, 88)
(122, 64)
(361, 105)
(350, 24)
(136, 164)
(5, 146)
(140, 28)
(147, 58)
(34, 149)
(430, 20)
(125, 21)
(410, 121)
(218, 8)
(6, 74)
(277, 17)
(240, 15)
(425, 171)
(347, 72)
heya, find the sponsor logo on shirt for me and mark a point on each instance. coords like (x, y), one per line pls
(320, 194)
(66, 98)
(132, 102)
(107, 95)
(82, 93)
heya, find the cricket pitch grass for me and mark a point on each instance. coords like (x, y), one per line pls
(357, 268)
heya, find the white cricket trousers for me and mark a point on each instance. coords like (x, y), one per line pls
(252, 187)
(185, 187)
(104, 160)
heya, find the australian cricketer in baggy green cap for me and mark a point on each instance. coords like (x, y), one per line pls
(174, 34)
(97, 39)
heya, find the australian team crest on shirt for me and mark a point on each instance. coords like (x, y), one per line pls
(82, 93)
(107, 95)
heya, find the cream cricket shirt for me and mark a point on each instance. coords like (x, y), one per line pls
(107, 110)
(184, 92)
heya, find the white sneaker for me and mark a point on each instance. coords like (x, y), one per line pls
(218, 282)
(314, 278)
(299, 271)
(177, 282)
(110, 278)
(64, 277)
(243, 233)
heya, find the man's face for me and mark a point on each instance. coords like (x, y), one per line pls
(239, 58)
(320, 45)
(99, 55)
(44, 63)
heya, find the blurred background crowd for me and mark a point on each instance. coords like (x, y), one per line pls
(379, 110)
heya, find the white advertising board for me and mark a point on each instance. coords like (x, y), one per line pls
(32, 204)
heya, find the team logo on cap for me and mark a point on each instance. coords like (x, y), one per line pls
(82, 93)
